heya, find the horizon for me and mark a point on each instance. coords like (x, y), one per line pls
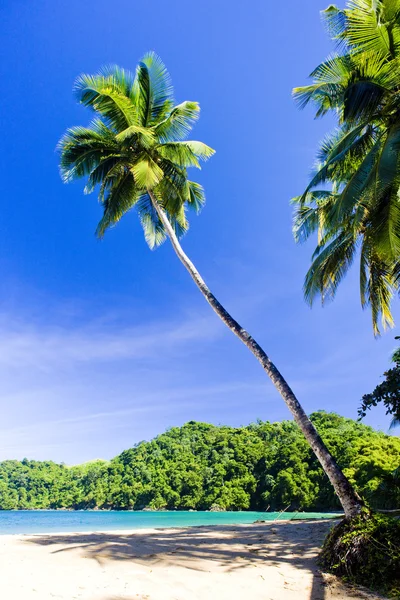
(104, 344)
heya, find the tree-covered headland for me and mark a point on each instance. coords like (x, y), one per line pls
(261, 466)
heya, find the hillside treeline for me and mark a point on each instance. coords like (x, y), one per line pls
(261, 466)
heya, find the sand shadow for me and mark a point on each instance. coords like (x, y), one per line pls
(229, 547)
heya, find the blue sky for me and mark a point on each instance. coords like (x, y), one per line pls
(103, 344)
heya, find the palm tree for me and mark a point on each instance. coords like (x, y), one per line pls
(352, 199)
(136, 151)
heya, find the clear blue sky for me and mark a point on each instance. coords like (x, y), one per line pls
(103, 344)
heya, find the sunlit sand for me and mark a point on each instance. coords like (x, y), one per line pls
(272, 561)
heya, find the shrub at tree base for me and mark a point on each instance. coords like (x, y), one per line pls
(365, 550)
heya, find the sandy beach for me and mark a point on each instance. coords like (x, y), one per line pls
(272, 561)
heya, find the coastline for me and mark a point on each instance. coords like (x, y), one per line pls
(43, 522)
(149, 530)
(276, 559)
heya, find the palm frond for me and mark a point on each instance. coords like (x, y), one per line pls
(199, 149)
(179, 154)
(82, 149)
(361, 100)
(339, 142)
(104, 95)
(380, 293)
(147, 173)
(196, 197)
(309, 212)
(366, 31)
(395, 422)
(152, 90)
(330, 80)
(185, 154)
(357, 184)
(172, 193)
(329, 268)
(178, 124)
(305, 221)
(144, 135)
(396, 275)
(153, 228)
(99, 173)
(179, 222)
(121, 197)
(335, 22)
(336, 148)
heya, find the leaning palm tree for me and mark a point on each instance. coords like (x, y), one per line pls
(137, 153)
(352, 199)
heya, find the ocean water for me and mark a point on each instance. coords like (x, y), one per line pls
(49, 521)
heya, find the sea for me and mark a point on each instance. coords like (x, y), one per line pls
(57, 521)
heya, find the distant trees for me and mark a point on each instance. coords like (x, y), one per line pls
(200, 465)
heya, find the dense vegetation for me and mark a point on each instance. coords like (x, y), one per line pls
(199, 465)
(365, 550)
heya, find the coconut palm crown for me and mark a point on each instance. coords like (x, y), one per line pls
(135, 149)
(352, 199)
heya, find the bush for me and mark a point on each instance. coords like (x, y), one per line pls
(365, 550)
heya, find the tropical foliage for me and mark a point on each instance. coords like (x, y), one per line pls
(386, 392)
(264, 465)
(352, 200)
(135, 151)
(366, 551)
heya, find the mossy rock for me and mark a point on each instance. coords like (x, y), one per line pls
(366, 551)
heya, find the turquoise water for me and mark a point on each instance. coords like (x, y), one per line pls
(48, 521)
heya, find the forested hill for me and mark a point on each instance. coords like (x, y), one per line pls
(200, 465)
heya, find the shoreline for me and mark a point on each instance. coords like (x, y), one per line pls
(149, 530)
(132, 531)
(167, 510)
(147, 527)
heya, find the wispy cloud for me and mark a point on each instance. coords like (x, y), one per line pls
(98, 383)
(46, 346)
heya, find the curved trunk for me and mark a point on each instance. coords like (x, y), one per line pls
(349, 499)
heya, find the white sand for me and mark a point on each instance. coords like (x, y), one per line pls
(272, 561)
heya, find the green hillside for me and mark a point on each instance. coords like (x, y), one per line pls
(264, 465)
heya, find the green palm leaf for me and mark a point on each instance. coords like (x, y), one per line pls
(329, 267)
(179, 123)
(121, 198)
(147, 173)
(185, 154)
(104, 95)
(134, 150)
(82, 149)
(154, 232)
(152, 90)
(359, 164)
(196, 197)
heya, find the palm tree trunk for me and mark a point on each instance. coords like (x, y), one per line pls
(349, 499)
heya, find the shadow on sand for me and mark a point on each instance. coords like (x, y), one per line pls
(230, 548)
